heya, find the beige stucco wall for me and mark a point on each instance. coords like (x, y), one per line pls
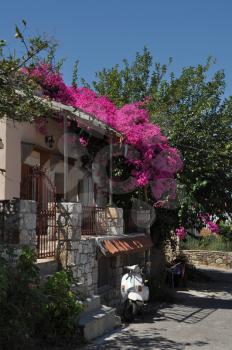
(10, 157)
(13, 134)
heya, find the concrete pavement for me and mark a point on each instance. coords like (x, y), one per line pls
(201, 318)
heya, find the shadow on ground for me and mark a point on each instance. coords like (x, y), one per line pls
(192, 306)
(201, 300)
(146, 339)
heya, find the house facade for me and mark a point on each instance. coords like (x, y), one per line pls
(54, 198)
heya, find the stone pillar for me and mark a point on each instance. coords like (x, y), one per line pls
(18, 227)
(114, 221)
(27, 223)
(18, 224)
(69, 232)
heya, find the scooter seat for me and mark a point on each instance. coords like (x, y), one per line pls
(134, 268)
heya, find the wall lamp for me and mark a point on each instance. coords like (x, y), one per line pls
(49, 140)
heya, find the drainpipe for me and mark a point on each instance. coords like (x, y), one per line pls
(65, 158)
(111, 173)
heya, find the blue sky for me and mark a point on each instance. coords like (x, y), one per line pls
(103, 32)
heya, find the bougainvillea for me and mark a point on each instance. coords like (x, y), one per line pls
(211, 225)
(181, 233)
(158, 163)
(83, 141)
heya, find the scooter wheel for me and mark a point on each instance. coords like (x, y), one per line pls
(129, 311)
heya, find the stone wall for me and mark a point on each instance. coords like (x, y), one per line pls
(17, 226)
(86, 265)
(210, 258)
(81, 253)
(27, 223)
(69, 234)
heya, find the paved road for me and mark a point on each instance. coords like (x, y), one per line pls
(200, 319)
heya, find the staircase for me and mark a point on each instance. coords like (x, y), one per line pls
(97, 319)
(47, 267)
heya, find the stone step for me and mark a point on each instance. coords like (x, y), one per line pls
(98, 322)
(47, 266)
(78, 288)
(92, 303)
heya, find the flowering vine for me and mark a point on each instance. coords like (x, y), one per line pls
(181, 233)
(211, 225)
(158, 163)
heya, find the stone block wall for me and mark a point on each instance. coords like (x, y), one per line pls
(68, 217)
(210, 258)
(86, 265)
(27, 223)
(81, 253)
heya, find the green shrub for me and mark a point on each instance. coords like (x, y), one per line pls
(212, 242)
(226, 230)
(60, 310)
(18, 301)
(33, 313)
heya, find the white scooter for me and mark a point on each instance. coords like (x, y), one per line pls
(134, 292)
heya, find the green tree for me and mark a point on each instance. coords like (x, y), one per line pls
(17, 91)
(193, 113)
(131, 82)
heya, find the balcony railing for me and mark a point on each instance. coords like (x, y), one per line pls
(94, 221)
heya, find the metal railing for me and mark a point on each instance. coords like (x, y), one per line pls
(94, 221)
(37, 185)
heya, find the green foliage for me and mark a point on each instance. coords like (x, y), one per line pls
(17, 91)
(130, 83)
(75, 74)
(18, 302)
(197, 120)
(226, 230)
(31, 312)
(192, 111)
(207, 243)
(60, 309)
(27, 268)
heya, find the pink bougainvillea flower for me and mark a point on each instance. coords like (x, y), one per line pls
(83, 141)
(153, 161)
(212, 226)
(181, 232)
(204, 217)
